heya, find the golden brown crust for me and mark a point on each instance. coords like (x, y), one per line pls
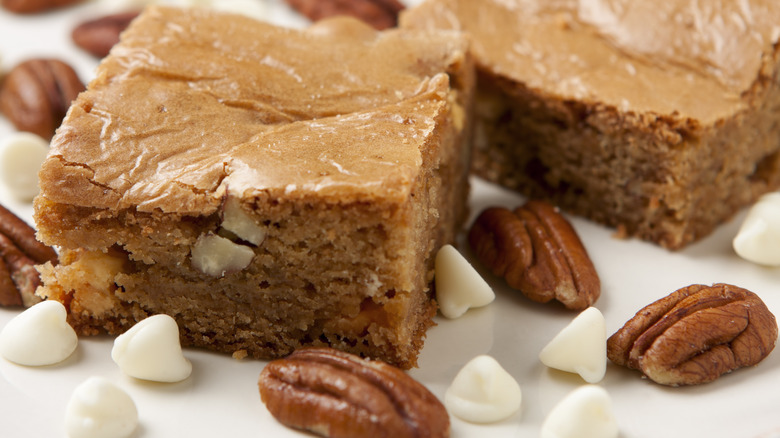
(272, 89)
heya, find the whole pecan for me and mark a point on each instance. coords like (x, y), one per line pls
(19, 253)
(99, 35)
(381, 14)
(538, 252)
(35, 6)
(695, 335)
(339, 395)
(36, 94)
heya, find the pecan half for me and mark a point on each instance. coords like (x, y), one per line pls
(695, 335)
(9, 295)
(98, 36)
(381, 14)
(23, 236)
(36, 94)
(338, 395)
(19, 253)
(35, 6)
(538, 252)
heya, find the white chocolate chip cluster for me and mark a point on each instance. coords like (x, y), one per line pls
(581, 348)
(484, 392)
(98, 408)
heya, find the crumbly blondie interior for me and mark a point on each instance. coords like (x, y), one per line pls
(663, 128)
(340, 152)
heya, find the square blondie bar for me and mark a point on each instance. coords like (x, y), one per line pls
(661, 118)
(268, 188)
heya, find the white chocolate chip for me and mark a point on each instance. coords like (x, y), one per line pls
(39, 336)
(459, 286)
(581, 347)
(215, 255)
(151, 350)
(483, 392)
(758, 239)
(585, 413)
(21, 156)
(240, 223)
(100, 409)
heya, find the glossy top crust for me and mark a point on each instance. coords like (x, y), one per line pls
(192, 104)
(696, 58)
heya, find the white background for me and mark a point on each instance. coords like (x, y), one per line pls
(221, 398)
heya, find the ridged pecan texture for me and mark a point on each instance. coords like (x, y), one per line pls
(19, 253)
(538, 252)
(36, 94)
(340, 395)
(695, 335)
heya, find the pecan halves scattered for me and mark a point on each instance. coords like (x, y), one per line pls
(538, 252)
(36, 94)
(339, 395)
(381, 14)
(19, 253)
(695, 335)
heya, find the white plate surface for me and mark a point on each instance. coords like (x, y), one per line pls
(221, 398)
